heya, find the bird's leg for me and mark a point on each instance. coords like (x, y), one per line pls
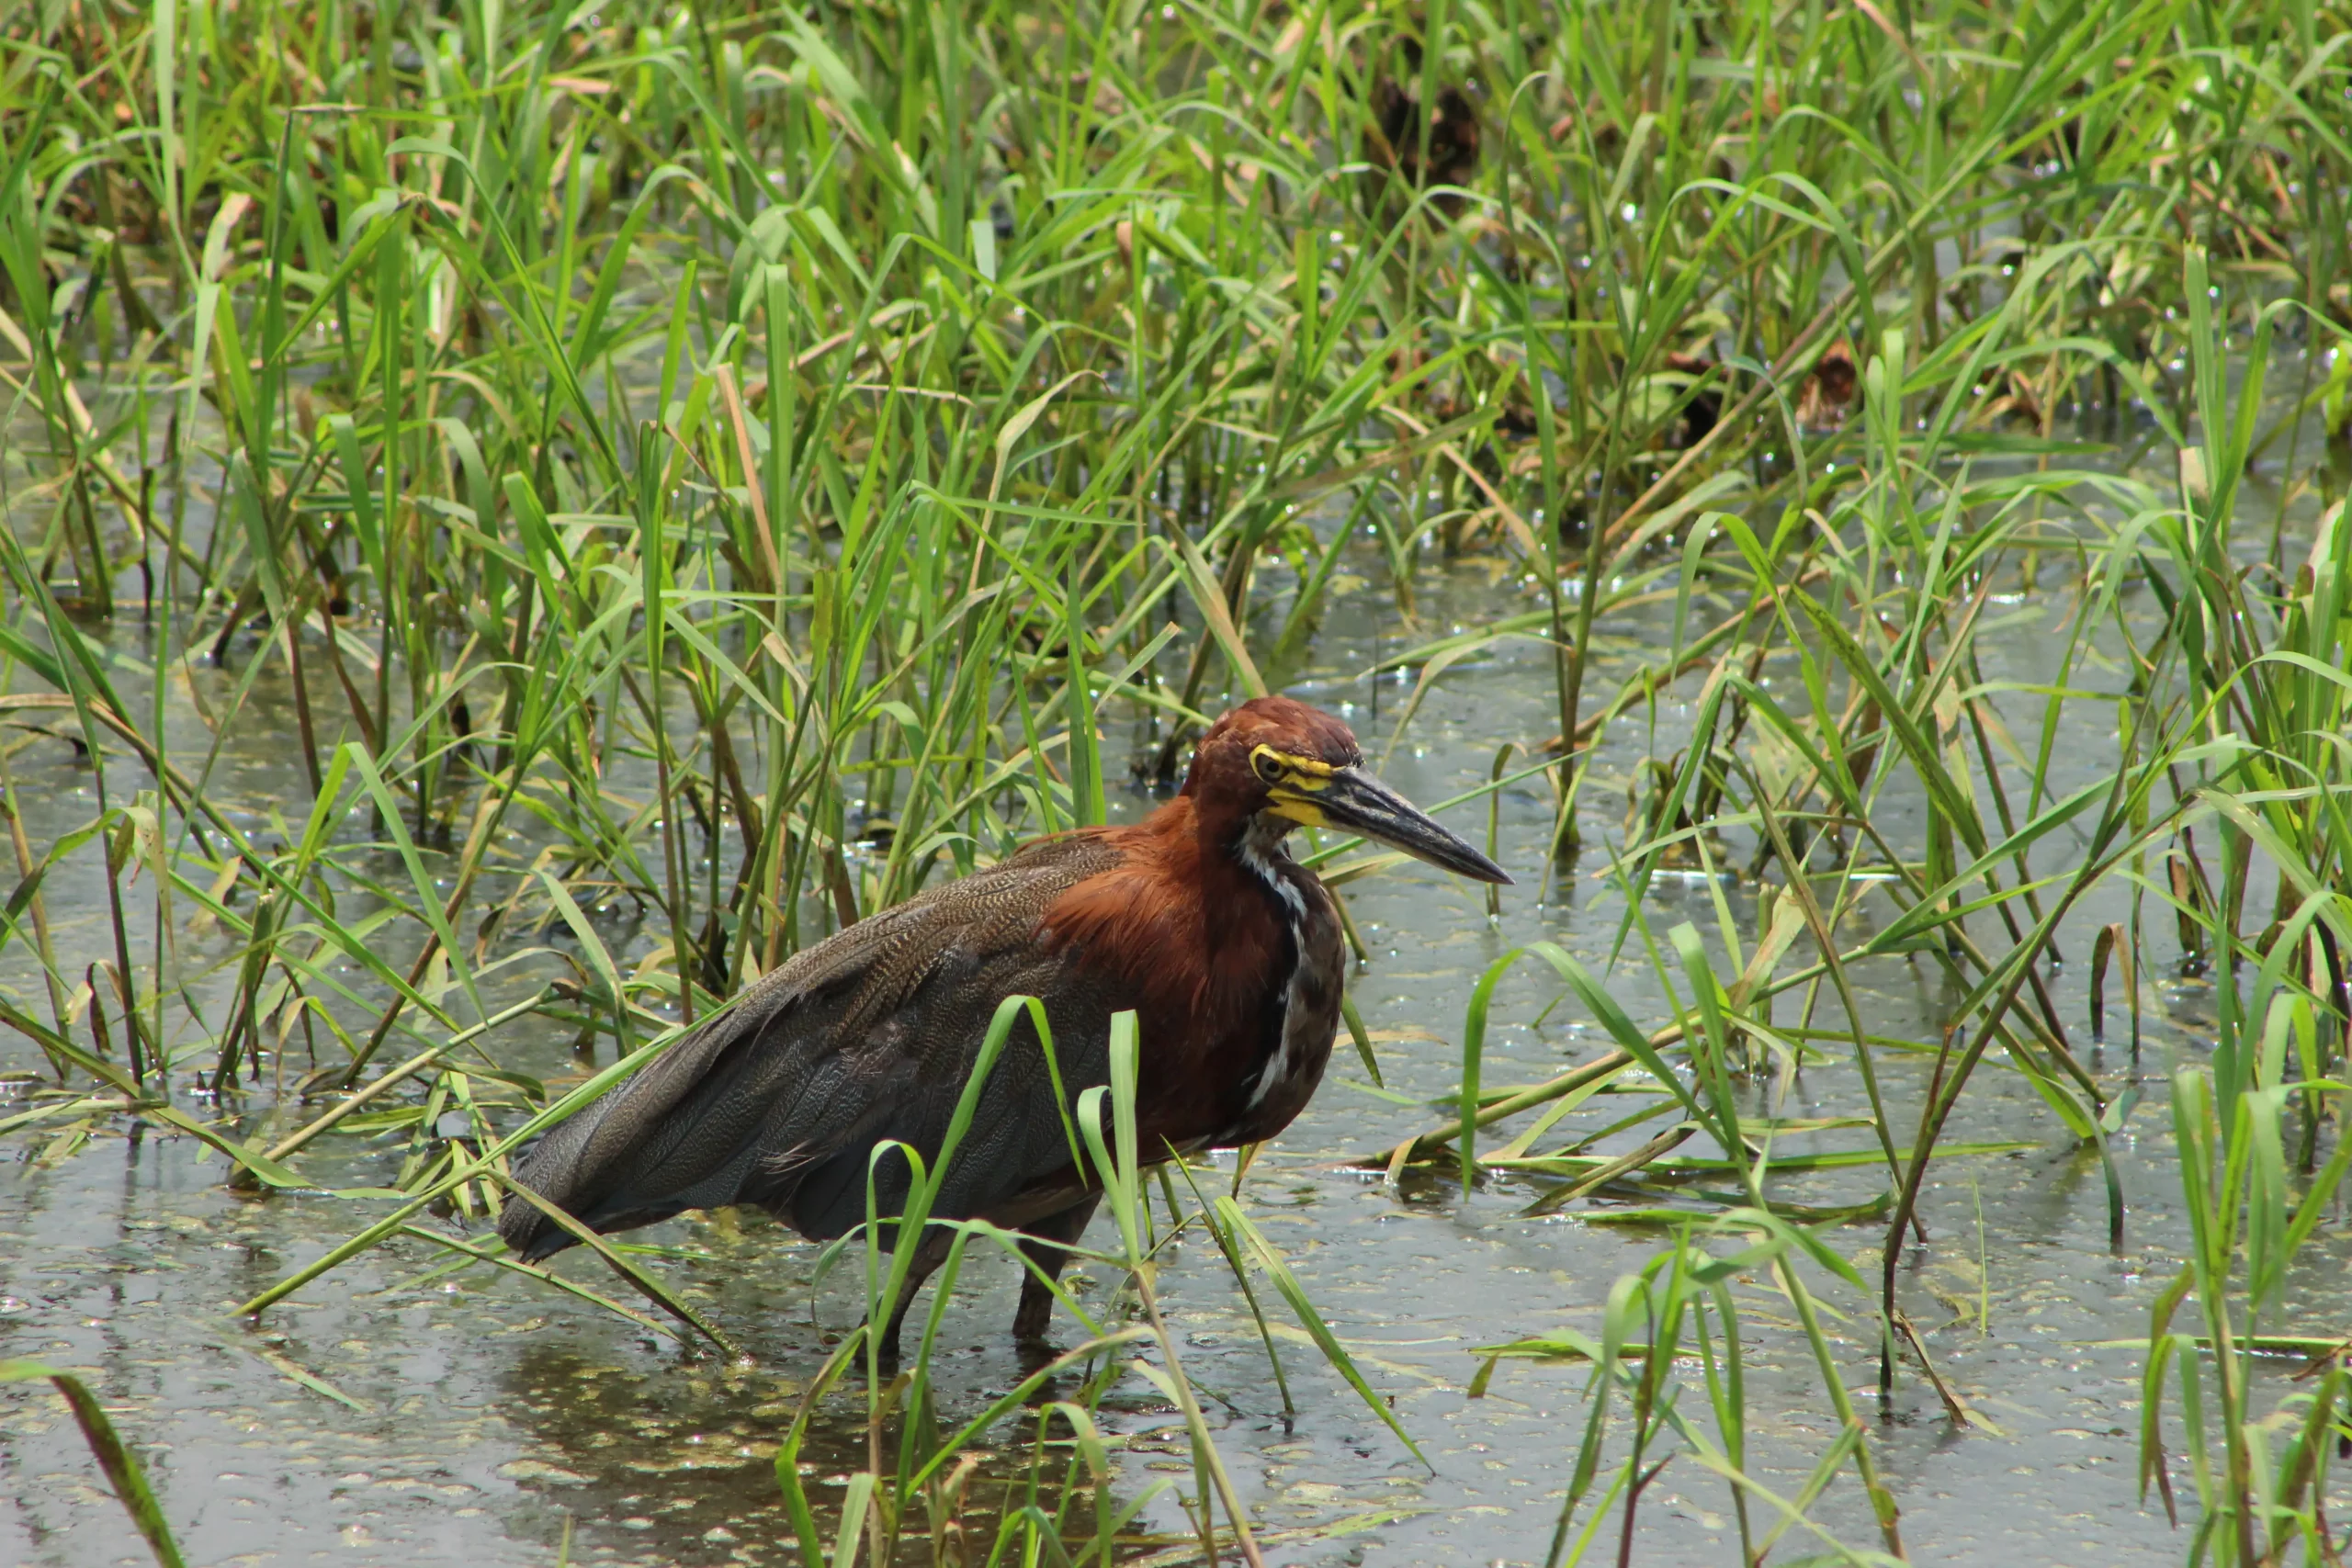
(1047, 1247)
(930, 1253)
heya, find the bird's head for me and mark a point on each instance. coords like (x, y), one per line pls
(1287, 764)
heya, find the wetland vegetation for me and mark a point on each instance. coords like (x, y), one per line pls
(520, 517)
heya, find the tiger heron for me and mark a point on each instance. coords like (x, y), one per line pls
(1228, 952)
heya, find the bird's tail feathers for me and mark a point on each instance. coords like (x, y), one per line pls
(607, 1164)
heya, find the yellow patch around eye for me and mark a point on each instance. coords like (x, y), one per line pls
(1299, 772)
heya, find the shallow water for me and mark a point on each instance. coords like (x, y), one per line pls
(482, 1414)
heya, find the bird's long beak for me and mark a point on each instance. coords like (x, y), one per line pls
(1352, 800)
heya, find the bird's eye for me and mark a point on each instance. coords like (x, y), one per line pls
(1268, 768)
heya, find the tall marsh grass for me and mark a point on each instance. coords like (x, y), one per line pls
(674, 480)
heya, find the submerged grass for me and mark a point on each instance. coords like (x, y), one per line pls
(681, 479)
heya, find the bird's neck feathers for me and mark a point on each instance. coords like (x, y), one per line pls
(1185, 913)
(1235, 853)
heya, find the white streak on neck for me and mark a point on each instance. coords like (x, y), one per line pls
(1261, 849)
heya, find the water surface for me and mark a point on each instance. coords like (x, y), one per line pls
(482, 1415)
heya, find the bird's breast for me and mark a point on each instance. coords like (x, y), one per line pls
(1234, 970)
(1293, 1040)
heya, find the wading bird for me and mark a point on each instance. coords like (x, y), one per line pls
(1227, 950)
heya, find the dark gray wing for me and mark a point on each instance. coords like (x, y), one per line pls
(867, 1036)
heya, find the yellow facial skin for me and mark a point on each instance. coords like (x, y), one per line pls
(1294, 778)
(1305, 813)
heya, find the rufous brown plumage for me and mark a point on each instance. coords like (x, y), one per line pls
(1194, 918)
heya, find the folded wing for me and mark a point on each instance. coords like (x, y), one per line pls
(866, 1037)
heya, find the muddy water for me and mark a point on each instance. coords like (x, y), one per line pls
(478, 1418)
